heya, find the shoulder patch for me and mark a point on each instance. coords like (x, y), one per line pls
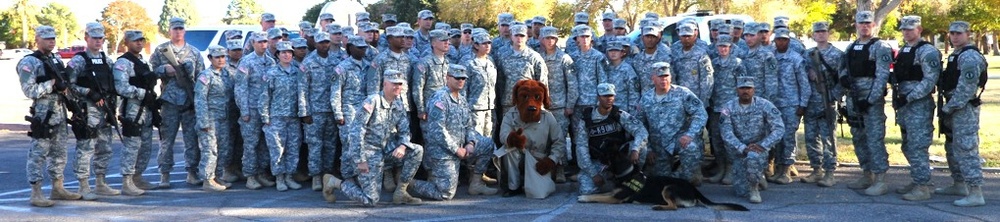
(725, 112)
(203, 78)
(120, 67)
(26, 68)
(374, 65)
(439, 105)
(368, 106)
(338, 70)
(244, 69)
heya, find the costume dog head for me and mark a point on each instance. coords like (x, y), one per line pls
(529, 98)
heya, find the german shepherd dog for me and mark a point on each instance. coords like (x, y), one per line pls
(667, 193)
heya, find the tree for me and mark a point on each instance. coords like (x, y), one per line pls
(61, 18)
(406, 10)
(981, 15)
(484, 13)
(809, 13)
(675, 7)
(634, 10)
(18, 24)
(930, 11)
(377, 9)
(313, 13)
(242, 12)
(881, 8)
(121, 15)
(716, 6)
(176, 8)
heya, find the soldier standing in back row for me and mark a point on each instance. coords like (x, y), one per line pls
(211, 108)
(791, 98)
(965, 73)
(283, 108)
(481, 85)
(728, 68)
(865, 77)
(321, 136)
(918, 66)
(134, 81)
(247, 92)
(518, 63)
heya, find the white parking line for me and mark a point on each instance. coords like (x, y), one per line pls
(75, 182)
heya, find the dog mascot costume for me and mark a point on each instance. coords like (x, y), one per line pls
(532, 145)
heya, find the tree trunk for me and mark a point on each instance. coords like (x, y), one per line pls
(881, 10)
(996, 51)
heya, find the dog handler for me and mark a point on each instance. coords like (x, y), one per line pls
(607, 130)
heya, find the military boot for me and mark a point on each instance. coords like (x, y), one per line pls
(728, 178)
(975, 198)
(723, 169)
(103, 188)
(864, 182)
(879, 187)
(828, 179)
(402, 197)
(192, 178)
(229, 175)
(956, 189)
(37, 197)
(907, 188)
(330, 184)
(128, 186)
(265, 180)
(388, 181)
(252, 183)
(754, 196)
(210, 185)
(140, 183)
(478, 187)
(918, 192)
(290, 182)
(60, 193)
(781, 174)
(220, 181)
(317, 183)
(84, 190)
(280, 182)
(164, 181)
(793, 171)
(813, 177)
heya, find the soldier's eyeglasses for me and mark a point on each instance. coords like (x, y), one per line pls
(459, 78)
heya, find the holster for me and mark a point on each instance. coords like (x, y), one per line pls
(80, 129)
(130, 128)
(39, 128)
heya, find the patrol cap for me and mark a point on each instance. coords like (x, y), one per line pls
(619, 24)
(442, 26)
(726, 40)
(94, 29)
(274, 33)
(309, 32)
(326, 16)
(782, 33)
(479, 30)
(234, 34)
(389, 17)
(466, 26)
(745, 82)
(404, 25)
(519, 30)
(45, 32)
(303, 25)
(821, 26)
(686, 30)
(457, 71)
(609, 16)
(454, 33)
(781, 21)
(615, 45)
(763, 27)
(688, 20)
(408, 32)
(958, 26)
(714, 24)
(284, 32)
(909, 22)
(371, 27)
(651, 30)
(299, 43)
(645, 22)
(258, 36)
(440, 35)
(357, 41)
(481, 38)
(581, 17)
(321, 37)
(267, 17)
(134, 35)
(529, 22)
(605, 89)
(284, 46)
(216, 51)
(176, 22)
(347, 30)
(652, 15)
(539, 20)
(505, 18)
(624, 40)
(362, 16)
(549, 31)
(394, 31)
(393, 76)
(661, 69)
(725, 28)
(334, 28)
(737, 23)
(425, 14)
(750, 28)
(581, 30)
(234, 44)
(864, 16)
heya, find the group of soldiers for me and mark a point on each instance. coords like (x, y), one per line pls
(373, 106)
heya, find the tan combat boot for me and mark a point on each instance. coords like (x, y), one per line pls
(317, 183)
(164, 181)
(210, 185)
(402, 197)
(754, 196)
(60, 193)
(813, 177)
(828, 179)
(280, 182)
(265, 180)
(918, 192)
(389, 181)
(879, 187)
(478, 187)
(229, 176)
(84, 190)
(252, 183)
(330, 184)
(728, 178)
(864, 182)
(290, 182)
(103, 188)
(129, 188)
(974, 199)
(781, 174)
(141, 183)
(37, 198)
(218, 180)
(491, 181)
(719, 175)
(192, 179)
(956, 189)
(907, 188)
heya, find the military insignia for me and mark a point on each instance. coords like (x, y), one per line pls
(243, 69)
(439, 104)
(120, 67)
(886, 58)
(25, 68)
(203, 78)
(368, 106)
(302, 68)
(725, 112)
(338, 70)
(694, 72)
(970, 75)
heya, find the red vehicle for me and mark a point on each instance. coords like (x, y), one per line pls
(67, 53)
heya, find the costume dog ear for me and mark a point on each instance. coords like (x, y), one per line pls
(546, 100)
(517, 87)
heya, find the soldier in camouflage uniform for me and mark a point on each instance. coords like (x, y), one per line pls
(381, 135)
(321, 135)
(300, 48)
(536, 26)
(518, 63)
(430, 71)
(562, 84)
(249, 87)
(698, 42)
(451, 137)
(759, 62)
(825, 62)
(425, 23)
(918, 66)
(394, 58)
(693, 70)
(673, 116)
(604, 132)
(274, 35)
(283, 108)
(623, 77)
(40, 83)
(503, 41)
(178, 108)
(370, 32)
(211, 100)
(728, 68)
(349, 90)
(791, 98)
(750, 126)
(93, 84)
(326, 19)
(764, 35)
(868, 61)
(134, 81)
(234, 49)
(794, 45)
(337, 38)
(738, 26)
(465, 44)
(580, 18)
(734, 50)
(966, 72)
(388, 20)
(652, 52)
(481, 85)
(267, 21)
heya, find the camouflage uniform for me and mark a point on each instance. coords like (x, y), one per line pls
(481, 90)
(178, 106)
(137, 149)
(667, 118)
(727, 70)
(48, 153)
(501, 44)
(642, 63)
(693, 70)
(763, 66)
(211, 104)
(821, 147)
(93, 81)
(248, 91)
(793, 91)
(590, 69)
(959, 84)
(322, 135)
(869, 138)
(758, 123)
(626, 82)
(428, 77)
(282, 104)
(348, 92)
(607, 129)
(562, 84)
(519, 65)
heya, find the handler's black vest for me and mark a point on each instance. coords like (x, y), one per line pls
(141, 69)
(605, 137)
(857, 59)
(905, 69)
(96, 75)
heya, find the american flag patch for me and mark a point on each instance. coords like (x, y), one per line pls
(369, 107)
(203, 79)
(25, 68)
(439, 104)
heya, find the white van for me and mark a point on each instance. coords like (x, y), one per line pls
(203, 36)
(343, 12)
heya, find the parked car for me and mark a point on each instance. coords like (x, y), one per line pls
(9, 54)
(68, 52)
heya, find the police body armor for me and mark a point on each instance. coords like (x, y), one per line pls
(859, 66)
(608, 141)
(98, 77)
(40, 128)
(906, 69)
(951, 74)
(144, 79)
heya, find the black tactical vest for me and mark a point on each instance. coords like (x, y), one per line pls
(49, 70)
(905, 69)
(857, 59)
(96, 74)
(605, 137)
(141, 70)
(951, 73)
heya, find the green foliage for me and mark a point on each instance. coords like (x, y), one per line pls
(890, 29)
(122, 15)
(930, 12)
(177, 8)
(62, 19)
(406, 10)
(814, 11)
(981, 14)
(562, 17)
(242, 12)
(313, 12)
(17, 24)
